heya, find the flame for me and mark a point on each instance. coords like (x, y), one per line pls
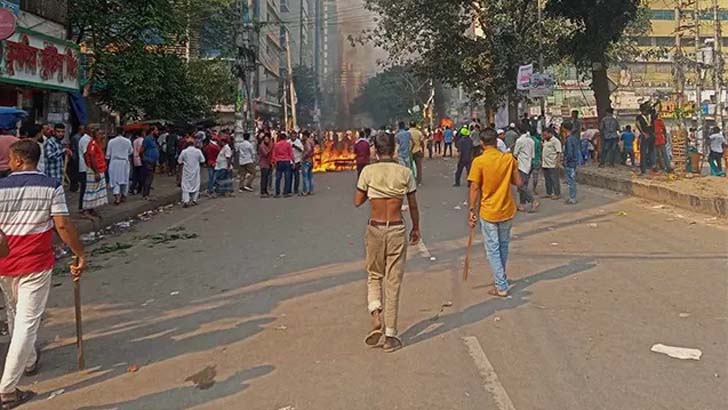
(334, 153)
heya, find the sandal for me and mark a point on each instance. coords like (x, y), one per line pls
(374, 337)
(20, 398)
(498, 293)
(392, 344)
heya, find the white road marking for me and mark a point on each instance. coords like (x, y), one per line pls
(490, 379)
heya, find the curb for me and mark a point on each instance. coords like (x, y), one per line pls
(85, 226)
(711, 205)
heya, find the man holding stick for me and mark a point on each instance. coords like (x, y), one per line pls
(31, 205)
(491, 201)
(385, 184)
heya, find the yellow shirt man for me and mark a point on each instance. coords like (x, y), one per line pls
(493, 172)
(418, 140)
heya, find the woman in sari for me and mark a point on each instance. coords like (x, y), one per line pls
(95, 195)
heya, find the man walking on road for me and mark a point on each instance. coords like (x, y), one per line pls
(385, 184)
(447, 136)
(524, 151)
(404, 144)
(609, 129)
(246, 157)
(418, 149)
(362, 151)
(551, 160)
(297, 146)
(55, 154)
(571, 161)
(465, 152)
(189, 173)
(645, 126)
(118, 151)
(492, 203)
(31, 205)
(537, 162)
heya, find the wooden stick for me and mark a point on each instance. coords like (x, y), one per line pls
(467, 255)
(79, 329)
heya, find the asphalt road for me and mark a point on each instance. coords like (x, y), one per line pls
(265, 309)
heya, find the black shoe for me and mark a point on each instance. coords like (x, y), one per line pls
(455, 184)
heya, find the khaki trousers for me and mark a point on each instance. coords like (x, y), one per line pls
(247, 175)
(386, 254)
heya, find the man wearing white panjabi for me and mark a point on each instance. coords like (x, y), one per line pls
(189, 162)
(118, 152)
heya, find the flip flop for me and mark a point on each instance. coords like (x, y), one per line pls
(498, 293)
(373, 337)
(21, 397)
(392, 348)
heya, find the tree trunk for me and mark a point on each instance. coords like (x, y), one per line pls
(512, 108)
(600, 85)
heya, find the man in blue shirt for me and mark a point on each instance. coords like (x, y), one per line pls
(55, 154)
(571, 160)
(404, 142)
(150, 157)
(627, 139)
(448, 136)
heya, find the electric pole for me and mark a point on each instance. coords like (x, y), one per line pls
(291, 90)
(540, 57)
(718, 65)
(245, 62)
(698, 79)
(678, 60)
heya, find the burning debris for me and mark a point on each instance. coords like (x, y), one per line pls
(335, 152)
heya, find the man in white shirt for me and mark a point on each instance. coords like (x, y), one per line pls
(246, 156)
(82, 145)
(500, 144)
(223, 169)
(524, 151)
(551, 158)
(717, 144)
(297, 145)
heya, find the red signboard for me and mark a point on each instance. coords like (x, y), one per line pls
(7, 23)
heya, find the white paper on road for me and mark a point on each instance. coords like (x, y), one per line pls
(683, 353)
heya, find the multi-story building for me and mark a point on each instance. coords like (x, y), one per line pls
(297, 15)
(268, 81)
(39, 67)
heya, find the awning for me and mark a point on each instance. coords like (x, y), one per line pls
(9, 117)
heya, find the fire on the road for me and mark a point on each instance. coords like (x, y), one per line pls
(335, 153)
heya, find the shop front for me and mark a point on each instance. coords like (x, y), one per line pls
(37, 74)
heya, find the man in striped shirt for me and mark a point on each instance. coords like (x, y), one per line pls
(31, 206)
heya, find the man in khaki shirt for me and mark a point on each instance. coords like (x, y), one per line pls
(385, 184)
(418, 149)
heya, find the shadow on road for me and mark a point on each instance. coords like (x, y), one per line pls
(476, 313)
(189, 396)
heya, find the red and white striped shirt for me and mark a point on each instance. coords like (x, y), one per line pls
(28, 202)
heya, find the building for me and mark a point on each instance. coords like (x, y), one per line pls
(39, 67)
(298, 18)
(267, 85)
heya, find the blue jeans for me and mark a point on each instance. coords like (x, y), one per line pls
(283, 172)
(210, 180)
(307, 174)
(497, 237)
(571, 182)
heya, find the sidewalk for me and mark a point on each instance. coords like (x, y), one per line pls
(704, 194)
(164, 192)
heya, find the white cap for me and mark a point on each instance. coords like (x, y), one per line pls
(500, 131)
(512, 125)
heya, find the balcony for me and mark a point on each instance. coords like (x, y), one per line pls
(53, 10)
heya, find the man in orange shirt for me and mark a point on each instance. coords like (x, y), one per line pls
(663, 159)
(491, 201)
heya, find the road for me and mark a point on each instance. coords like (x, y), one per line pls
(265, 309)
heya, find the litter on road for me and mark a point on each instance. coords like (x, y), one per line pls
(682, 353)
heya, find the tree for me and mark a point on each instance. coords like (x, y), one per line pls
(389, 96)
(213, 80)
(477, 45)
(304, 81)
(597, 28)
(135, 64)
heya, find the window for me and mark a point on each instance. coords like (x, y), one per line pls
(644, 41)
(284, 6)
(664, 41)
(662, 14)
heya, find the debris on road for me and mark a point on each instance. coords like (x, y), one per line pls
(114, 247)
(593, 225)
(56, 393)
(175, 293)
(447, 304)
(496, 319)
(148, 302)
(204, 379)
(432, 258)
(684, 315)
(554, 244)
(133, 368)
(281, 327)
(621, 213)
(682, 353)
(457, 207)
(659, 207)
(287, 408)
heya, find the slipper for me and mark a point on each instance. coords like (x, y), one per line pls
(373, 337)
(392, 344)
(498, 293)
(21, 397)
